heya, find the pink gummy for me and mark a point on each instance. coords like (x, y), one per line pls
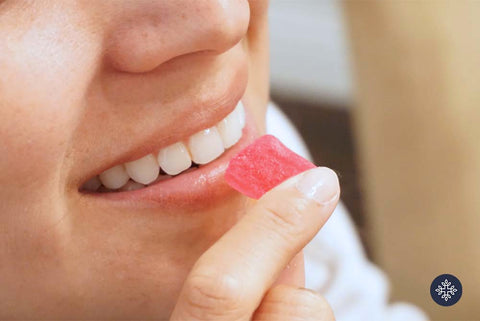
(263, 165)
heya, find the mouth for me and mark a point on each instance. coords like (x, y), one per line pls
(187, 171)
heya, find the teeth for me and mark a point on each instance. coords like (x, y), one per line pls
(144, 170)
(131, 186)
(201, 148)
(206, 146)
(230, 128)
(92, 185)
(241, 111)
(174, 159)
(114, 177)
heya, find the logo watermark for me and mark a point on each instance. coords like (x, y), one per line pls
(446, 290)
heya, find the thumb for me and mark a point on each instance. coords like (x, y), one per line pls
(230, 279)
(293, 274)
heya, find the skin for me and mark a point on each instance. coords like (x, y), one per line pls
(76, 75)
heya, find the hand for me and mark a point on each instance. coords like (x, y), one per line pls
(232, 280)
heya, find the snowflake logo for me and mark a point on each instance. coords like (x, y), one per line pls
(446, 290)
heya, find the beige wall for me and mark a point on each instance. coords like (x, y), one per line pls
(417, 120)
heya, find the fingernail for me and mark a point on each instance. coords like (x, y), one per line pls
(319, 184)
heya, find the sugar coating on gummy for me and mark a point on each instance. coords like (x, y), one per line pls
(263, 165)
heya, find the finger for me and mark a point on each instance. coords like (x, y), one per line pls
(294, 273)
(230, 279)
(293, 304)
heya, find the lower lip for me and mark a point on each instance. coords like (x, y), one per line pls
(194, 190)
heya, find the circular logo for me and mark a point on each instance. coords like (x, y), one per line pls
(446, 290)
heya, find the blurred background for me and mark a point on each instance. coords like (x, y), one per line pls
(311, 81)
(387, 93)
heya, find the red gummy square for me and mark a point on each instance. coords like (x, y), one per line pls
(263, 165)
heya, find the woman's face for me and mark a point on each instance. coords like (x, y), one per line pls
(88, 85)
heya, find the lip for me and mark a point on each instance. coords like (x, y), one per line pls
(188, 191)
(186, 116)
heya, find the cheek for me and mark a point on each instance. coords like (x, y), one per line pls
(34, 131)
(37, 121)
(41, 94)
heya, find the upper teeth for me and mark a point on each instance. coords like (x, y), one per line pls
(200, 148)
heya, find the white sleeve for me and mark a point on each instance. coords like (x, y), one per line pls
(335, 263)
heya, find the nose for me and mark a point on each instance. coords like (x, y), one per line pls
(146, 33)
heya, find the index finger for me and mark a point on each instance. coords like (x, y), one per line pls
(230, 279)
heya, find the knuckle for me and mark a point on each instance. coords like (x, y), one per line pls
(288, 218)
(299, 303)
(213, 294)
(313, 304)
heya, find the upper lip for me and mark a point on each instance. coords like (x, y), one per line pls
(198, 115)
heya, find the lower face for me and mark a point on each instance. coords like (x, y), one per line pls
(111, 183)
